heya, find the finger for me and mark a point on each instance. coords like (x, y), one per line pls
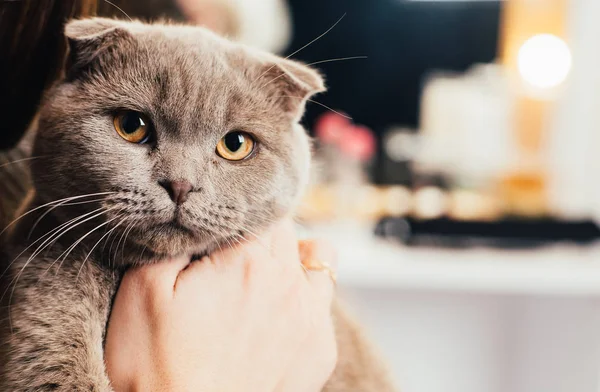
(239, 265)
(279, 243)
(195, 271)
(234, 263)
(284, 242)
(159, 276)
(320, 260)
(233, 255)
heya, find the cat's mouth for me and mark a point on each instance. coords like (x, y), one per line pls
(177, 225)
(180, 227)
(181, 231)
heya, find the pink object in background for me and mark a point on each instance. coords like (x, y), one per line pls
(354, 141)
(358, 143)
(331, 127)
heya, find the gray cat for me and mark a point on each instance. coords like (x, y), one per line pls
(159, 139)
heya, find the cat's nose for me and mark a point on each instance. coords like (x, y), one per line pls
(178, 190)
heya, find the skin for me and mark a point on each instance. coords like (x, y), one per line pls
(170, 332)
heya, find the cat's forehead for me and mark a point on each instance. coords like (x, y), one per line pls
(185, 76)
(182, 75)
(190, 52)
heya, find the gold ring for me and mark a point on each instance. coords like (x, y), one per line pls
(315, 265)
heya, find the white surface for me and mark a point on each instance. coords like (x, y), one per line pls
(475, 320)
(439, 341)
(365, 262)
(573, 140)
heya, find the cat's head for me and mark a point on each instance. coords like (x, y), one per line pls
(189, 140)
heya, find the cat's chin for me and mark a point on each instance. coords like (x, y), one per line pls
(157, 243)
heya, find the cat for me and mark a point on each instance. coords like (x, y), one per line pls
(158, 139)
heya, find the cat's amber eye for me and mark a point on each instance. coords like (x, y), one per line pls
(236, 146)
(133, 126)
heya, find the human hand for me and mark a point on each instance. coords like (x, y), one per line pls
(246, 319)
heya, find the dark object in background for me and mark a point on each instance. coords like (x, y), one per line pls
(404, 41)
(506, 233)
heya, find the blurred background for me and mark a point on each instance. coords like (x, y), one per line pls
(457, 167)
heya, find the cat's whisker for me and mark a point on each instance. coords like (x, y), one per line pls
(83, 202)
(111, 258)
(259, 239)
(232, 247)
(241, 238)
(272, 80)
(337, 59)
(266, 217)
(227, 241)
(95, 245)
(318, 103)
(123, 234)
(229, 244)
(315, 63)
(32, 244)
(56, 238)
(54, 262)
(330, 109)
(70, 249)
(302, 48)
(127, 232)
(50, 240)
(15, 281)
(51, 204)
(138, 261)
(237, 241)
(111, 255)
(68, 229)
(125, 216)
(215, 240)
(62, 204)
(51, 233)
(21, 160)
(120, 9)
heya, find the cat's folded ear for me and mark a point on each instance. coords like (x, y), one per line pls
(291, 83)
(91, 39)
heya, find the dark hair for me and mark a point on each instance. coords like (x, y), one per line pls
(33, 50)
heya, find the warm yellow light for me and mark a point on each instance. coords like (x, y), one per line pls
(544, 61)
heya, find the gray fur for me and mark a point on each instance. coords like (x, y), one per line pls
(195, 87)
